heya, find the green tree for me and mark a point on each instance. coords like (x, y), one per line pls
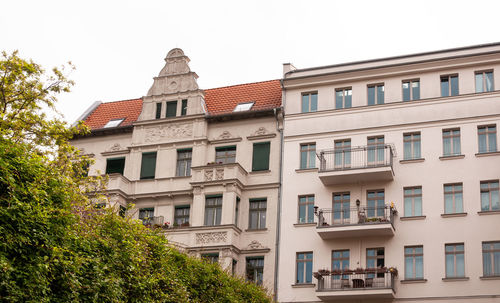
(55, 246)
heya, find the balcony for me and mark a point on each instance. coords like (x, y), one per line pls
(219, 173)
(375, 283)
(355, 222)
(358, 164)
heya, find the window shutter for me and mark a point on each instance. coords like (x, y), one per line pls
(260, 160)
(148, 165)
(115, 165)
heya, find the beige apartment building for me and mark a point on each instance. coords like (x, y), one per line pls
(391, 175)
(202, 165)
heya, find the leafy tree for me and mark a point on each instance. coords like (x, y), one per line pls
(55, 246)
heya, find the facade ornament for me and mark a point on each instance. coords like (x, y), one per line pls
(255, 245)
(219, 174)
(261, 131)
(172, 131)
(115, 147)
(209, 174)
(214, 237)
(225, 135)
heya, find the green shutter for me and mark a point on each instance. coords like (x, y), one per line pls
(260, 159)
(171, 109)
(115, 165)
(158, 110)
(148, 165)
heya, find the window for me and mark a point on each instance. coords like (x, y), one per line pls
(375, 94)
(255, 269)
(455, 264)
(225, 154)
(237, 211)
(213, 210)
(148, 165)
(158, 110)
(115, 166)
(413, 201)
(306, 209)
(307, 155)
(414, 262)
(341, 208)
(343, 98)
(181, 215)
(184, 107)
(411, 90)
(171, 109)
(449, 85)
(491, 259)
(451, 142)
(375, 203)
(304, 265)
(342, 154)
(309, 102)
(376, 150)
(411, 144)
(183, 162)
(211, 257)
(113, 123)
(484, 81)
(375, 259)
(487, 137)
(260, 157)
(257, 214)
(453, 198)
(489, 196)
(241, 107)
(340, 261)
(146, 215)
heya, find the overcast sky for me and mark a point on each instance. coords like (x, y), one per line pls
(119, 46)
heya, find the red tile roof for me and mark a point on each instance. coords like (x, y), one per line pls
(128, 109)
(222, 100)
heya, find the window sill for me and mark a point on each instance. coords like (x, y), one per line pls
(490, 278)
(410, 281)
(304, 285)
(451, 215)
(412, 218)
(489, 212)
(455, 279)
(256, 229)
(305, 224)
(488, 154)
(306, 170)
(256, 172)
(451, 157)
(406, 161)
(181, 177)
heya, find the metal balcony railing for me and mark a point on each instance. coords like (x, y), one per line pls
(375, 278)
(355, 158)
(153, 221)
(328, 217)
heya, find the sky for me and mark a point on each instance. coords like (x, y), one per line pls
(119, 46)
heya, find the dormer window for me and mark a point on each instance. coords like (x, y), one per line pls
(241, 107)
(113, 123)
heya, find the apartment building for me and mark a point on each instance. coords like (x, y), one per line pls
(391, 179)
(202, 165)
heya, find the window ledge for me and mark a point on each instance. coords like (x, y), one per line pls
(489, 212)
(412, 218)
(455, 279)
(406, 161)
(304, 224)
(451, 157)
(256, 172)
(256, 229)
(181, 177)
(304, 285)
(490, 278)
(410, 281)
(306, 170)
(488, 154)
(451, 215)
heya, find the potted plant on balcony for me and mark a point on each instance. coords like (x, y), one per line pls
(166, 225)
(359, 270)
(185, 224)
(317, 275)
(394, 271)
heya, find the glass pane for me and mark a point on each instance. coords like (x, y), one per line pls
(446, 146)
(409, 274)
(310, 213)
(305, 103)
(456, 145)
(302, 214)
(450, 270)
(314, 102)
(406, 91)
(348, 98)
(496, 263)
(454, 85)
(416, 149)
(408, 208)
(308, 272)
(460, 265)
(416, 90)
(218, 213)
(479, 83)
(482, 143)
(380, 94)
(371, 95)
(407, 150)
(303, 159)
(485, 201)
(339, 98)
(300, 272)
(253, 220)
(312, 159)
(418, 206)
(489, 81)
(459, 208)
(495, 203)
(492, 141)
(445, 88)
(419, 267)
(487, 266)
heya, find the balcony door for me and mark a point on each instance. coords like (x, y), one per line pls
(342, 154)
(375, 259)
(341, 208)
(375, 151)
(375, 203)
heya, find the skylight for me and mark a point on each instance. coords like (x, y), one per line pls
(243, 107)
(113, 123)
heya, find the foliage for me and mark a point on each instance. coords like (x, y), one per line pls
(55, 246)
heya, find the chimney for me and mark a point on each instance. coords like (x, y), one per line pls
(287, 67)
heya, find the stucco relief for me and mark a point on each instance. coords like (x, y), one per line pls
(219, 174)
(115, 147)
(261, 131)
(209, 174)
(172, 131)
(213, 237)
(255, 245)
(225, 135)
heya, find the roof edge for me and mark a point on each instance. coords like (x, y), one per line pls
(87, 112)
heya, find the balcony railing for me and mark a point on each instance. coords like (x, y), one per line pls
(328, 217)
(356, 158)
(359, 279)
(153, 221)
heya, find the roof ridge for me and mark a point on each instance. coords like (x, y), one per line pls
(241, 84)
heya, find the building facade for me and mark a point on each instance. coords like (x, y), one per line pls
(391, 180)
(202, 165)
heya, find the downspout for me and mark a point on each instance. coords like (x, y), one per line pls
(278, 217)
